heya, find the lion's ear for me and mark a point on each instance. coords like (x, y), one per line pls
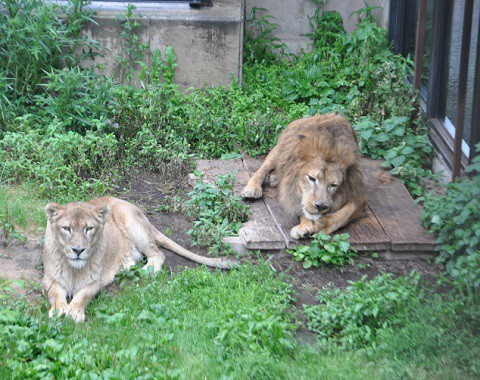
(103, 212)
(52, 209)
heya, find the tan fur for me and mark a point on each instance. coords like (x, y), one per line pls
(316, 166)
(88, 243)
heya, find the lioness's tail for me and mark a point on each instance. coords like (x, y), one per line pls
(169, 244)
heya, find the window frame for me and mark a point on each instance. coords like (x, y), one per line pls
(434, 105)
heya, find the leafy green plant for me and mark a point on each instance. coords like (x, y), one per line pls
(353, 317)
(80, 98)
(455, 218)
(162, 69)
(36, 36)
(260, 45)
(325, 250)
(256, 330)
(133, 49)
(216, 212)
(47, 158)
(404, 146)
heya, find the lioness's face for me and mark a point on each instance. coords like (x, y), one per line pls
(77, 228)
(318, 186)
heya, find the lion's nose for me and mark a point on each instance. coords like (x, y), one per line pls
(78, 250)
(320, 207)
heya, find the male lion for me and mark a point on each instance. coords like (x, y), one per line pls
(86, 244)
(316, 167)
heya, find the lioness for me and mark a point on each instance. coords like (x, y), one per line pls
(316, 167)
(86, 244)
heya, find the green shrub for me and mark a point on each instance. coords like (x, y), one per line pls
(325, 250)
(36, 36)
(403, 145)
(455, 218)
(353, 317)
(80, 98)
(66, 166)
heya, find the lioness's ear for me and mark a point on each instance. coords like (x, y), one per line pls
(52, 210)
(103, 212)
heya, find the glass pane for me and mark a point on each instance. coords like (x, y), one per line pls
(428, 43)
(454, 65)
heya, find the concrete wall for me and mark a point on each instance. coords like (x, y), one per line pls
(208, 41)
(292, 16)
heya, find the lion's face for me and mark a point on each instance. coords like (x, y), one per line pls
(77, 229)
(318, 183)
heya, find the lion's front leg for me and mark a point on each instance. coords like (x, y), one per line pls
(57, 297)
(253, 189)
(81, 299)
(332, 222)
(304, 229)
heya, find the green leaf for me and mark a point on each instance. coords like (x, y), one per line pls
(307, 264)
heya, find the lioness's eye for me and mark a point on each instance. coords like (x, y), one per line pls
(88, 229)
(311, 178)
(66, 229)
(333, 185)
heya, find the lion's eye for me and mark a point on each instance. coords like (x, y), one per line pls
(333, 185)
(311, 178)
(88, 229)
(66, 229)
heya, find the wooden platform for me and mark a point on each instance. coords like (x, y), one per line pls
(391, 225)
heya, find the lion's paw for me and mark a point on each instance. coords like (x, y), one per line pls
(301, 231)
(254, 192)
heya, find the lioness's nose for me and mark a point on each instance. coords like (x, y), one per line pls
(320, 206)
(78, 250)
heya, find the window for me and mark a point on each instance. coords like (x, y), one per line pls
(442, 73)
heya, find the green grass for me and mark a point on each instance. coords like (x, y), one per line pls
(239, 324)
(21, 213)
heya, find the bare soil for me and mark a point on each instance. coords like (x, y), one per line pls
(149, 192)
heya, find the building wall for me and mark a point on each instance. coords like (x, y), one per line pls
(292, 16)
(208, 41)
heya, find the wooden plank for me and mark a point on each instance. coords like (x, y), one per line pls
(394, 207)
(282, 221)
(259, 232)
(366, 233)
(212, 168)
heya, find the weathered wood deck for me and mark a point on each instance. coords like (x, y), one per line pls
(391, 225)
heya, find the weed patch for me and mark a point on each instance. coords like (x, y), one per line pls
(216, 212)
(325, 250)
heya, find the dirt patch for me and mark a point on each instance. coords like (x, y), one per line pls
(151, 194)
(21, 262)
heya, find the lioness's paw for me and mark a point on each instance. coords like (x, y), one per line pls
(301, 231)
(78, 315)
(58, 311)
(252, 192)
